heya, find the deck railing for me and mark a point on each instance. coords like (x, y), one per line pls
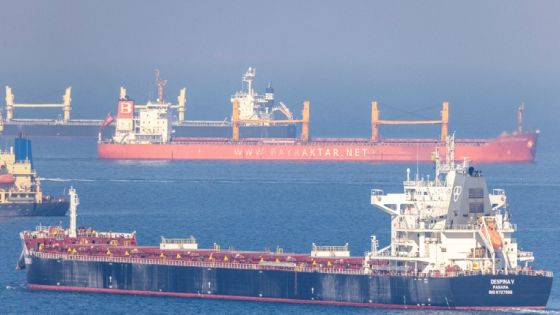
(186, 263)
(270, 266)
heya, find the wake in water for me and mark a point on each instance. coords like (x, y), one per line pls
(547, 312)
(222, 181)
(134, 180)
(15, 286)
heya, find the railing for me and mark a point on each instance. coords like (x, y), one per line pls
(203, 264)
(203, 123)
(343, 248)
(46, 121)
(190, 240)
(452, 274)
(522, 254)
(419, 183)
(58, 231)
(455, 227)
(377, 192)
(227, 265)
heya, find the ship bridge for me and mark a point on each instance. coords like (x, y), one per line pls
(450, 222)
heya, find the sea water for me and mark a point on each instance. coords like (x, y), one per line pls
(253, 206)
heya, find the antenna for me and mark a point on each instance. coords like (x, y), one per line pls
(74, 202)
(417, 162)
(160, 85)
(248, 79)
(438, 164)
(520, 111)
(450, 150)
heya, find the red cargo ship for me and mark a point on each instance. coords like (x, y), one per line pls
(147, 134)
(506, 148)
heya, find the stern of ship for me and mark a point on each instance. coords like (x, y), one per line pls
(526, 290)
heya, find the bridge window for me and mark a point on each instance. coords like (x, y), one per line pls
(406, 207)
(476, 207)
(476, 193)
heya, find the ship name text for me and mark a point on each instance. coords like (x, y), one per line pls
(501, 286)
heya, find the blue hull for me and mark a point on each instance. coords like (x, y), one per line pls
(54, 208)
(460, 292)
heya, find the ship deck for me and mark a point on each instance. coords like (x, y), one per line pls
(122, 248)
(53, 122)
(346, 141)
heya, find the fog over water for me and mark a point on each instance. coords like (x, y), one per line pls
(485, 58)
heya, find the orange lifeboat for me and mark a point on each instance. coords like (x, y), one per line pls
(493, 235)
(7, 179)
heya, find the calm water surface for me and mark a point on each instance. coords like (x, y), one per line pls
(250, 206)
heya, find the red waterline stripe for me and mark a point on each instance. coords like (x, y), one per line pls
(268, 299)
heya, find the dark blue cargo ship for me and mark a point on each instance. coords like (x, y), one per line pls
(313, 286)
(452, 247)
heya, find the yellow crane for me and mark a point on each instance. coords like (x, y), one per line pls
(11, 105)
(236, 122)
(376, 122)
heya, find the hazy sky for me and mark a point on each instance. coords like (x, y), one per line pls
(483, 56)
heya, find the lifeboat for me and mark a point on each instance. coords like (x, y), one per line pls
(492, 235)
(7, 179)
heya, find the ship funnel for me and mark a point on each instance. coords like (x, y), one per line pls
(23, 152)
(74, 202)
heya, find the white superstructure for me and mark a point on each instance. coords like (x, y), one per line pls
(450, 223)
(253, 106)
(150, 123)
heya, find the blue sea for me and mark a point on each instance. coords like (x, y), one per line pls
(250, 206)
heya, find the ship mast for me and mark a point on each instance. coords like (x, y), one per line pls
(248, 79)
(520, 111)
(450, 150)
(74, 202)
(160, 85)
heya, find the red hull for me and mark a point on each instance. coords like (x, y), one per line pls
(516, 148)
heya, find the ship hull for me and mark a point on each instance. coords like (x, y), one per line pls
(517, 148)
(91, 130)
(69, 130)
(460, 292)
(54, 208)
